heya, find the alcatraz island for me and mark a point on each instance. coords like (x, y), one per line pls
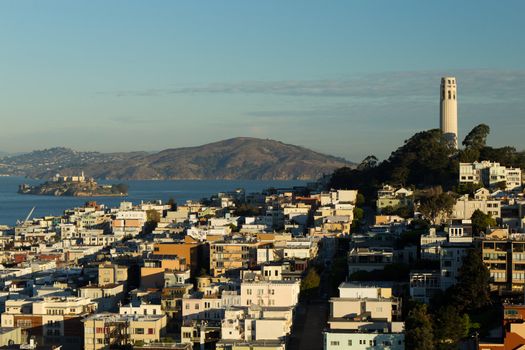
(74, 186)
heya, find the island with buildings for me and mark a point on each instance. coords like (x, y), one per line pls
(74, 186)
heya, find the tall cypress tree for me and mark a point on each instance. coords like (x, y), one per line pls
(472, 290)
(418, 329)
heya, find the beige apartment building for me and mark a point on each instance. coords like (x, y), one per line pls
(465, 207)
(104, 330)
(504, 256)
(107, 297)
(270, 293)
(232, 256)
(50, 320)
(10, 335)
(109, 273)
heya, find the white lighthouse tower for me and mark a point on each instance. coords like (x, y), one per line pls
(448, 120)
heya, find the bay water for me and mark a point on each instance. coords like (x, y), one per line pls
(14, 206)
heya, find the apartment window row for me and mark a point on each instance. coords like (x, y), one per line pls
(518, 276)
(498, 275)
(518, 256)
(142, 331)
(56, 311)
(495, 256)
(260, 291)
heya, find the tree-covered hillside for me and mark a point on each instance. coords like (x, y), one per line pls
(427, 159)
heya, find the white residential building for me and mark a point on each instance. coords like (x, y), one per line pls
(490, 174)
(363, 318)
(465, 207)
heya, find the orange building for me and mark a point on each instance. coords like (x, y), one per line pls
(152, 273)
(195, 254)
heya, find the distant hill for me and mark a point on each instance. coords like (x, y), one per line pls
(237, 158)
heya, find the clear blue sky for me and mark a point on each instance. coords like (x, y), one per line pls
(350, 78)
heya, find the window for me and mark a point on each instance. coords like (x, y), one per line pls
(350, 342)
(334, 343)
(139, 330)
(151, 331)
(249, 291)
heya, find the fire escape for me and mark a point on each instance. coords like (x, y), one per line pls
(117, 334)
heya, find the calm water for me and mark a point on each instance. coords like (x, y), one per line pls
(14, 206)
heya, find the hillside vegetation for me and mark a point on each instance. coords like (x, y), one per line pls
(237, 158)
(425, 160)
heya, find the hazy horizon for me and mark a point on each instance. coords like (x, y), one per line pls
(343, 78)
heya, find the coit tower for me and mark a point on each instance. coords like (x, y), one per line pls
(448, 121)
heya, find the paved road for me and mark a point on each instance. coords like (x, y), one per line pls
(311, 317)
(308, 327)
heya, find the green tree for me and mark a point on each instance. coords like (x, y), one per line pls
(152, 219)
(468, 188)
(358, 216)
(450, 327)
(369, 162)
(481, 222)
(507, 156)
(426, 159)
(436, 205)
(247, 210)
(405, 212)
(418, 329)
(469, 155)
(172, 203)
(360, 199)
(310, 283)
(476, 139)
(152, 215)
(472, 290)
